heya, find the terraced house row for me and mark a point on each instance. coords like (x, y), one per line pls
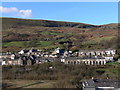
(34, 56)
(92, 57)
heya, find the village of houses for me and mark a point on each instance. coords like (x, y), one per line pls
(88, 57)
(36, 56)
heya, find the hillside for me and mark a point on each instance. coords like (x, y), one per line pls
(26, 33)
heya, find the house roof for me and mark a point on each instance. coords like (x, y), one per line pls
(102, 83)
(47, 58)
(95, 50)
(76, 58)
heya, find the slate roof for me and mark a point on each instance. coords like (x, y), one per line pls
(76, 58)
(102, 83)
(96, 50)
(47, 58)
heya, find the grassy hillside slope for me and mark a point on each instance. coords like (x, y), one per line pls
(27, 33)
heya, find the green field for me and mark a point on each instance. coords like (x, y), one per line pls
(113, 63)
(44, 43)
(23, 43)
(14, 43)
(37, 44)
(55, 33)
(97, 40)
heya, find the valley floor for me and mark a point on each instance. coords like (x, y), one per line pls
(29, 83)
